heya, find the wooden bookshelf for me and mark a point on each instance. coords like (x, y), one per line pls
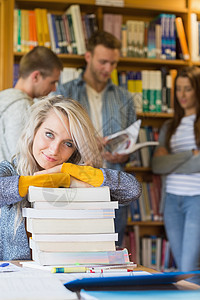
(133, 9)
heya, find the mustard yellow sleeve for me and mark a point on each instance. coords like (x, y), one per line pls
(44, 180)
(88, 174)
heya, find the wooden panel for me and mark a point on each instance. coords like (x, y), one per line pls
(51, 4)
(195, 5)
(6, 43)
(155, 4)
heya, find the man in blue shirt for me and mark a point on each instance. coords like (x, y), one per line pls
(110, 107)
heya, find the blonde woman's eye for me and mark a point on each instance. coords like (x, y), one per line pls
(49, 135)
(69, 144)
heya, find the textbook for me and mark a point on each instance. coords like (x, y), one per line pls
(124, 141)
(70, 226)
(65, 258)
(128, 282)
(68, 214)
(75, 237)
(73, 247)
(75, 205)
(68, 194)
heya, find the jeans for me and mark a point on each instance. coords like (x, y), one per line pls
(121, 215)
(182, 224)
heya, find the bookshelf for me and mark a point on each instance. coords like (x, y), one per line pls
(142, 10)
(133, 10)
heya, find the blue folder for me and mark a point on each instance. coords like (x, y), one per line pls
(143, 295)
(128, 282)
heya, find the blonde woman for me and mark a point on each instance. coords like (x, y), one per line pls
(58, 139)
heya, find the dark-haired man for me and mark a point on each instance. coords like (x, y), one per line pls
(39, 71)
(109, 106)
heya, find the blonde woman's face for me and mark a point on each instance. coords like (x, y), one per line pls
(53, 143)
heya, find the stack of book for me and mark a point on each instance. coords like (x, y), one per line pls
(72, 225)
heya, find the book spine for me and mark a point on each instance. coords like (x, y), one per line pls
(46, 34)
(63, 35)
(152, 95)
(52, 38)
(23, 48)
(137, 97)
(182, 38)
(158, 90)
(145, 90)
(39, 26)
(172, 31)
(72, 35)
(57, 48)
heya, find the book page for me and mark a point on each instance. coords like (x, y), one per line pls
(31, 285)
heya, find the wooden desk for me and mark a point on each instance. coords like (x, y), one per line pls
(180, 285)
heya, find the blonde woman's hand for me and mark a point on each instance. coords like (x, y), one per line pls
(56, 169)
(74, 183)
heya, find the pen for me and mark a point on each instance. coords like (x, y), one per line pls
(69, 270)
(4, 265)
(87, 270)
(93, 270)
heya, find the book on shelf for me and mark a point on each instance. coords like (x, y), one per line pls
(68, 214)
(73, 247)
(147, 207)
(124, 141)
(151, 252)
(32, 30)
(132, 243)
(68, 194)
(70, 226)
(194, 37)
(55, 39)
(112, 23)
(182, 38)
(51, 33)
(39, 26)
(74, 12)
(83, 257)
(124, 49)
(46, 34)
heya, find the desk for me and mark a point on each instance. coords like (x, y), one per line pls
(180, 285)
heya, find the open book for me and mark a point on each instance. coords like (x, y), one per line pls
(124, 141)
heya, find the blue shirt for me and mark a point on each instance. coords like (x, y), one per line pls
(117, 106)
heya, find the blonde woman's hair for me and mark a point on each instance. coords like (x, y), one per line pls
(82, 131)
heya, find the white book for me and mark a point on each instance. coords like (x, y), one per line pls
(124, 141)
(62, 226)
(68, 214)
(68, 194)
(74, 10)
(75, 237)
(75, 205)
(72, 247)
(62, 258)
(194, 37)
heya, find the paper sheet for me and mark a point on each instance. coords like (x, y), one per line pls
(31, 285)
